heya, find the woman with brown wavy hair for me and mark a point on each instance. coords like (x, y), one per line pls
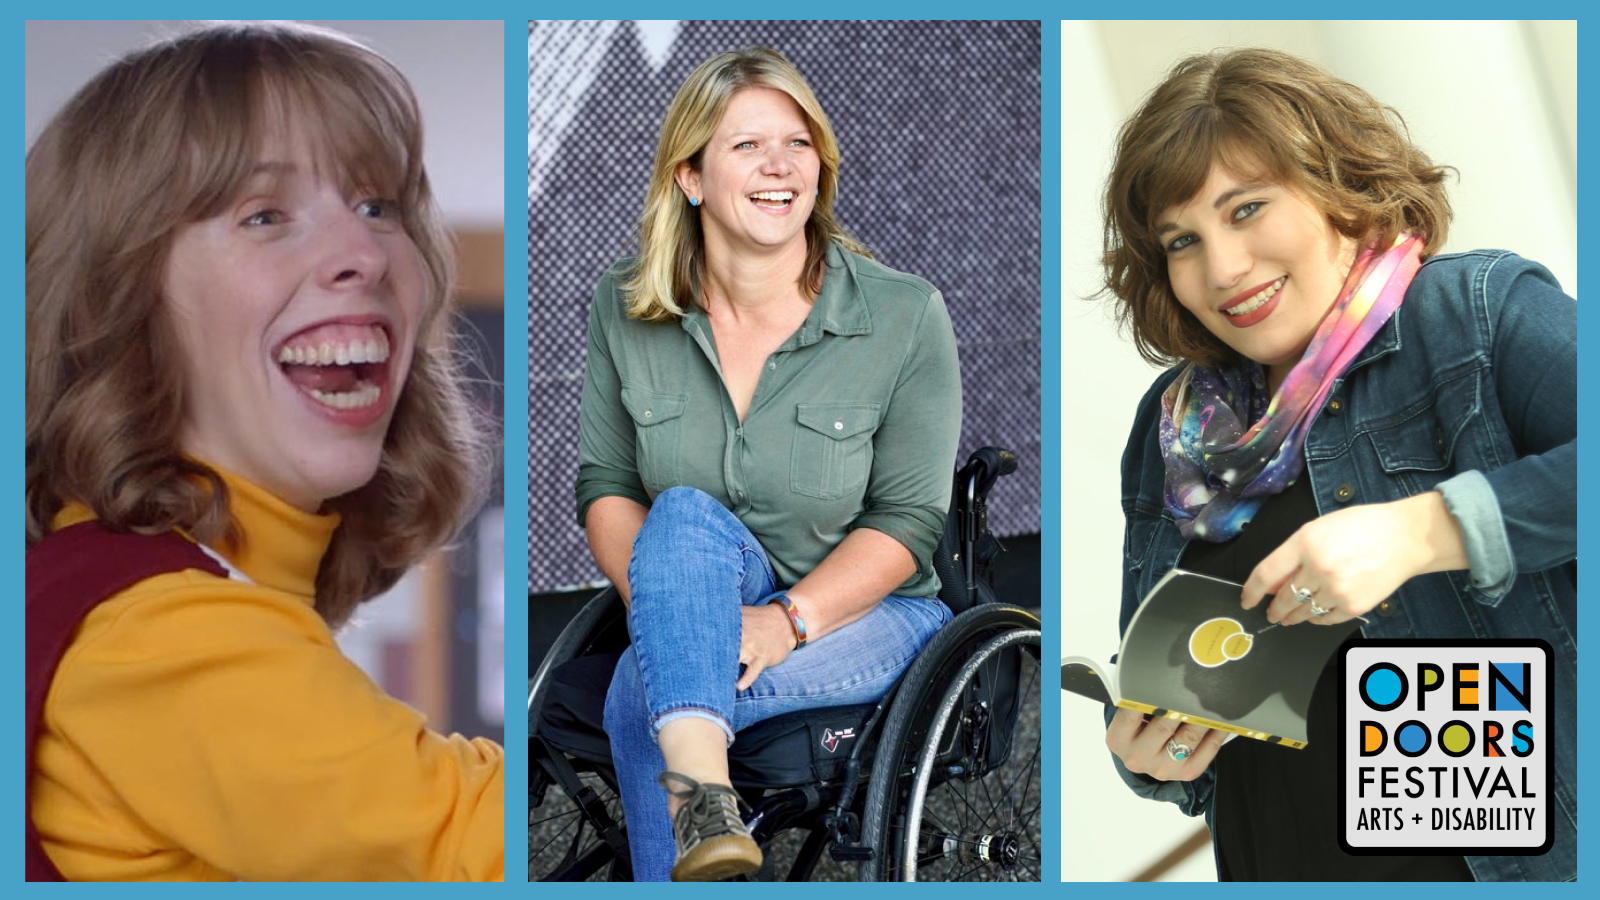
(1396, 426)
(243, 420)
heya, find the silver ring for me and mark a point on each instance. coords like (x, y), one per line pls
(1178, 752)
(1301, 595)
(1318, 611)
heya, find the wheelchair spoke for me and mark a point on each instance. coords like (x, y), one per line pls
(964, 874)
(1024, 778)
(967, 805)
(1026, 822)
(535, 823)
(566, 843)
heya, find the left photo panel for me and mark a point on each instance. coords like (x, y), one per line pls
(264, 444)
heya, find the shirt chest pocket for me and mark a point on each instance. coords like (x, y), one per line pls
(832, 448)
(658, 432)
(1435, 438)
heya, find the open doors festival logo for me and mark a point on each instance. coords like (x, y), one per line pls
(1445, 747)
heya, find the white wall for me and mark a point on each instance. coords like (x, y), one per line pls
(1497, 100)
(456, 68)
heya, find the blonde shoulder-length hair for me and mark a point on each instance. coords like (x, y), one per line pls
(665, 277)
(167, 136)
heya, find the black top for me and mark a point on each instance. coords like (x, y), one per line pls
(1277, 808)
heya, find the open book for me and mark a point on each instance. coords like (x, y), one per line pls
(1192, 653)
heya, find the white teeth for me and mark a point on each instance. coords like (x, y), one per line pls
(365, 394)
(370, 350)
(1259, 300)
(781, 196)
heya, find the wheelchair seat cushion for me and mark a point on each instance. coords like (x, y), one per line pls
(793, 749)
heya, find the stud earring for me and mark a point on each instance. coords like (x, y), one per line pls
(694, 201)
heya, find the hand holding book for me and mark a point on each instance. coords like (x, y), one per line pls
(1141, 743)
(1191, 655)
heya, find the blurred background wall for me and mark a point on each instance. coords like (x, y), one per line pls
(1497, 100)
(437, 639)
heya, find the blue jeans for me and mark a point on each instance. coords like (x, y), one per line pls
(694, 567)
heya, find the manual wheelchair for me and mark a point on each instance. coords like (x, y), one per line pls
(939, 780)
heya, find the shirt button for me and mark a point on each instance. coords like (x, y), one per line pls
(1344, 492)
(771, 366)
(739, 432)
(838, 426)
(1388, 607)
(1335, 407)
(648, 414)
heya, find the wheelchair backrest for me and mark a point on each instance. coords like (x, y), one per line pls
(967, 550)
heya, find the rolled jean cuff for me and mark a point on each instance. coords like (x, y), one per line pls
(691, 712)
(1471, 501)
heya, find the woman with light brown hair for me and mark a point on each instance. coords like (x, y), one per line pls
(1396, 426)
(243, 420)
(768, 428)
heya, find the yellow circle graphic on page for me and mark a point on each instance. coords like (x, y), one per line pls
(1216, 641)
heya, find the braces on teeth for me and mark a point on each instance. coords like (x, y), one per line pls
(1258, 301)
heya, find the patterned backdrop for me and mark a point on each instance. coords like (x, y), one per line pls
(938, 124)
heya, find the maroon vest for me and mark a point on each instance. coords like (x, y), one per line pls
(69, 573)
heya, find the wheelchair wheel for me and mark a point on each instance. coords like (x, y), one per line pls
(564, 843)
(955, 788)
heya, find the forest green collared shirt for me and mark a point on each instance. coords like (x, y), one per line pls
(854, 422)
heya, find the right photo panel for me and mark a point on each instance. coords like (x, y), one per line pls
(1319, 489)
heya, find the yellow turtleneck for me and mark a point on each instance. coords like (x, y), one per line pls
(208, 729)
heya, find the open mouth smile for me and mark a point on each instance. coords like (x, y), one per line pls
(773, 200)
(1254, 304)
(343, 367)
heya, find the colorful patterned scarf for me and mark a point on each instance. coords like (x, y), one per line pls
(1227, 448)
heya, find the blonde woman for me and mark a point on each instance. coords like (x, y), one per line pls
(769, 424)
(242, 421)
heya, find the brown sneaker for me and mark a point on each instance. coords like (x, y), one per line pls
(713, 842)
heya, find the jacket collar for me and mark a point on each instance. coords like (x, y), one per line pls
(1385, 342)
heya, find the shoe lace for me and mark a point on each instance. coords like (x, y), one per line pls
(708, 809)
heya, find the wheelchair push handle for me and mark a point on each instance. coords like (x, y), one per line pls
(996, 462)
(973, 481)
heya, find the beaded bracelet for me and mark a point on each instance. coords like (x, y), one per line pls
(795, 622)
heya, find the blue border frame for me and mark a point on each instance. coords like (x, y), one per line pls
(516, 312)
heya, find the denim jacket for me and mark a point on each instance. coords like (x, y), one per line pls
(1469, 389)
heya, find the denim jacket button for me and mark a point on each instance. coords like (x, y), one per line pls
(1335, 407)
(1344, 492)
(1388, 607)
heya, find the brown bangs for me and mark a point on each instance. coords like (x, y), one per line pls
(351, 106)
